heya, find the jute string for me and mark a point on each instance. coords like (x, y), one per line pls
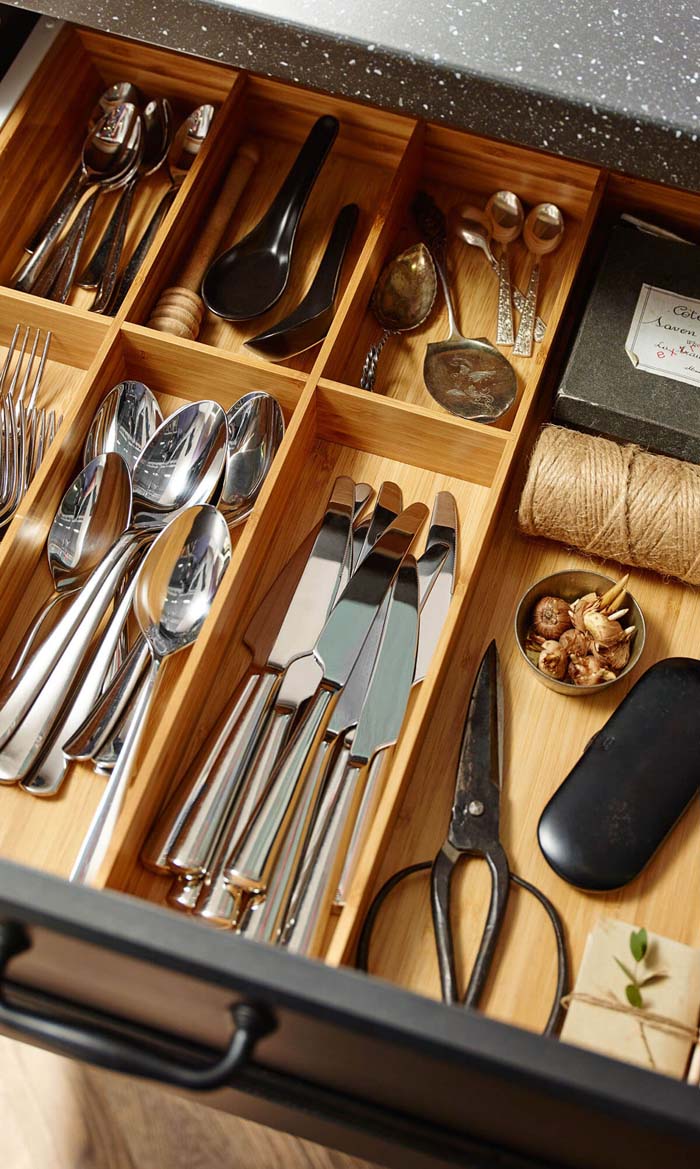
(618, 502)
(662, 1023)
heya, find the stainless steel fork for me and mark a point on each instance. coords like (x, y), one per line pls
(26, 432)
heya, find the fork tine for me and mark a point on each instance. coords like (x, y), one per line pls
(28, 367)
(18, 366)
(40, 370)
(8, 359)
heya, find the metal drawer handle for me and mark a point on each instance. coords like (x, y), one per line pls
(99, 1046)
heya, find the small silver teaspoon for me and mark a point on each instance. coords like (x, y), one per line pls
(542, 233)
(506, 216)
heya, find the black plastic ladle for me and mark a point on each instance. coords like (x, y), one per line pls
(251, 276)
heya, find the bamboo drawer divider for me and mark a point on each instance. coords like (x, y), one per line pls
(380, 160)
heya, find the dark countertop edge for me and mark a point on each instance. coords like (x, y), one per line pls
(404, 84)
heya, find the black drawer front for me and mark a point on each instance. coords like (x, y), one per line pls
(347, 1060)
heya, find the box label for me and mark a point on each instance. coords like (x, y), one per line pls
(664, 337)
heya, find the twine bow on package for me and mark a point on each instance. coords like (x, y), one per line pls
(637, 998)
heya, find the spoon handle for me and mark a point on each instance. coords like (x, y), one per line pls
(526, 329)
(32, 268)
(505, 334)
(47, 778)
(30, 703)
(92, 274)
(369, 369)
(99, 835)
(433, 227)
(112, 260)
(92, 734)
(63, 282)
(21, 656)
(142, 249)
(60, 208)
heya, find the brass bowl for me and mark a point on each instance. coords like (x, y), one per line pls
(570, 586)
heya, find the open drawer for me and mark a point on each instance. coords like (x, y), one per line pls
(111, 974)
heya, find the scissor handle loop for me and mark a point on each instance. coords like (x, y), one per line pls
(362, 960)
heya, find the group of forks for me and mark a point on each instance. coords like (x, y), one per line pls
(26, 432)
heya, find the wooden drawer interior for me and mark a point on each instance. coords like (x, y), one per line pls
(399, 433)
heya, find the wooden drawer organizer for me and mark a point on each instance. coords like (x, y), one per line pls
(379, 160)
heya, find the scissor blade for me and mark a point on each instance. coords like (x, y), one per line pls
(479, 769)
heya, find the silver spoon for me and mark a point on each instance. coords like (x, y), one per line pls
(103, 269)
(93, 512)
(57, 280)
(542, 233)
(255, 427)
(124, 422)
(181, 466)
(175, 588)
(186, 146)
(107, 154)
(471, 226)
(402, 300)
(115, 95)
(505, 215)
(255, 431)
(468, 377)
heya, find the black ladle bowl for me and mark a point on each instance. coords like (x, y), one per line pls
(247, 279)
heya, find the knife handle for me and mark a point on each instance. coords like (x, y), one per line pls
(168, 826)
(362, 823)
(254, 857)
(217, 904)
(264, 918)
(309, 905)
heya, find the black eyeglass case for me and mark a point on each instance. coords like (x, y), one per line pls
(631, 785)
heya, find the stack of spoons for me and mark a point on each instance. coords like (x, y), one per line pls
(147, 483)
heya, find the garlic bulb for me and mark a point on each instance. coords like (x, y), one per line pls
(553, 660)
(551, 617)
(603, 631)
(582, 606)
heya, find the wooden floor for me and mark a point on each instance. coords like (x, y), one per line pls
(55, 1114)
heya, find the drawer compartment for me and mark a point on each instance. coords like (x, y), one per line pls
(372, 1064)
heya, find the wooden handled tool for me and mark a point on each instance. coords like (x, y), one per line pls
(180, 309)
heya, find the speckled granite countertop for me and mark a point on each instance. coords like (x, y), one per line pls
(614, 82)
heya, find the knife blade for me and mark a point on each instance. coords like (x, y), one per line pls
(442, 531)
(337, 648)
(441, 547)
(389, 504)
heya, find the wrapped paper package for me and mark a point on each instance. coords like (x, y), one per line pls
(660, 1034)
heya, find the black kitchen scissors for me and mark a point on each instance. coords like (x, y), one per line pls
(474, 832)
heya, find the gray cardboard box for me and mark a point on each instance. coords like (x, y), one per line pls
(601, 391)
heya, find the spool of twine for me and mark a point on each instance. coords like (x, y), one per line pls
(617, 502)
